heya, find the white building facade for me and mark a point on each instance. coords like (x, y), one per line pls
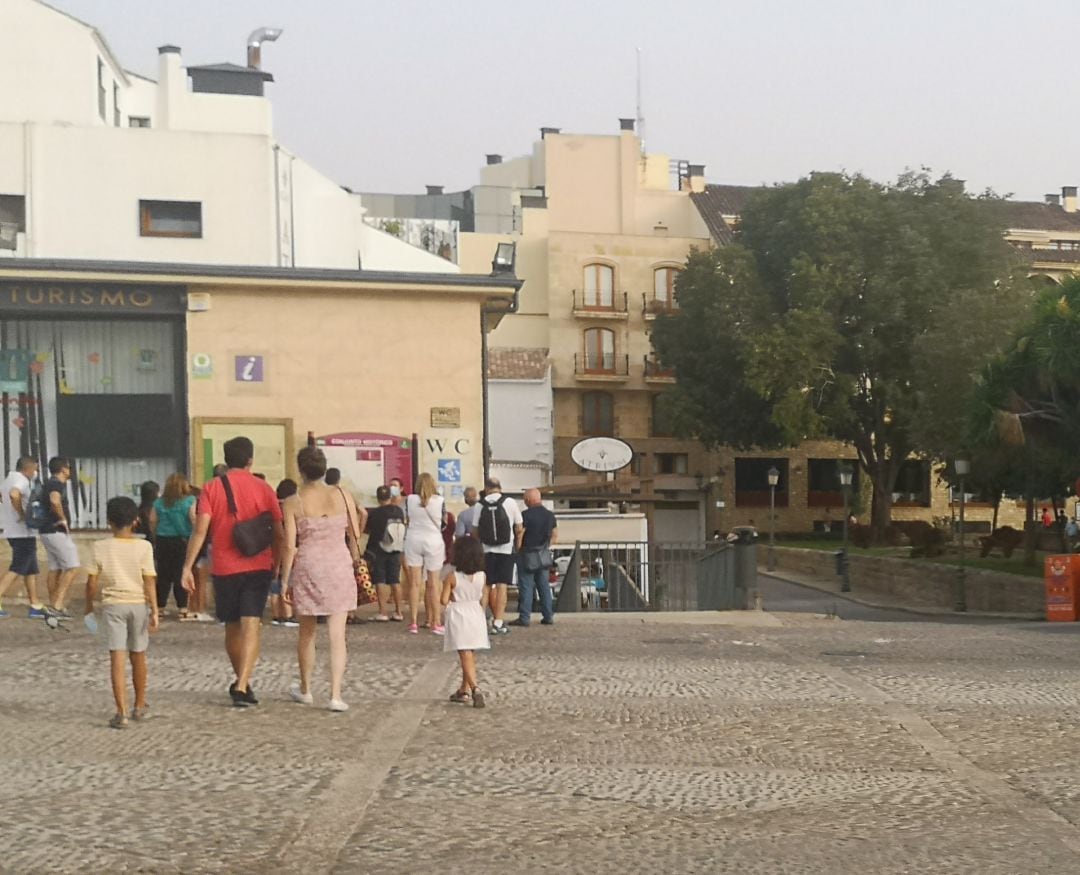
(102, 163)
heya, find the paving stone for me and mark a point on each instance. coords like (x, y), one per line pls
(608, 745)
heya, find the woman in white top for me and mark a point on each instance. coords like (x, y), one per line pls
(425, 551)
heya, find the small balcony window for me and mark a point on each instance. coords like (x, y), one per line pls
(664, 287)
(599, 350)
(599, 286)
(662, 421)
(597, 413)
(170, 219)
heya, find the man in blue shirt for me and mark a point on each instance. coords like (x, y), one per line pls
(541, 531)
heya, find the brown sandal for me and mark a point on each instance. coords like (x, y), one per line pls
(461, 697)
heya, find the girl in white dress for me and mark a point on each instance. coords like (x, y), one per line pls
(464, 596)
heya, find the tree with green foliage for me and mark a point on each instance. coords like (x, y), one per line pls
(1027, 411)
(844, 309)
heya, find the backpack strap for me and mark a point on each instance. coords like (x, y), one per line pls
(229, 497)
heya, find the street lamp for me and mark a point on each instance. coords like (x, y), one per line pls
(845, 473)
(774, 478)
(963, 468)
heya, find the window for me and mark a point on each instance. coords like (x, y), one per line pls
(598, 414)
(661, 416)
(823, 482)
(138, 121)
(13, 211)
(912, 484)
(101, 89)
(170, 219)
(637, 464)
(599, 286)
(672, 463)
(599, 349)
(664, 287)
(752, 482)
(116, 105)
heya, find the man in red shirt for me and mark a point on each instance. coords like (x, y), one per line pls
(241, 583)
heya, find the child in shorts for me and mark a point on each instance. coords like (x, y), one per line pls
(123, 573)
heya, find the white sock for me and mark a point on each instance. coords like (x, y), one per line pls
(497, 623)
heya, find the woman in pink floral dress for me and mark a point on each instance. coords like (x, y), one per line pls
(318, 570)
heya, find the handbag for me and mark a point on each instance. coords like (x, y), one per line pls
(251, 537)
(365, 589)
(538, 558)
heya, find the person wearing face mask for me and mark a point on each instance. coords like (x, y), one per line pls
(397, 496)
(398, 499)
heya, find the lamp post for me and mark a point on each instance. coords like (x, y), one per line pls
(845, 484)
(774, 478)
(963, 468)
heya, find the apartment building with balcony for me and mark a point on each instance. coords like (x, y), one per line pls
(602, 230)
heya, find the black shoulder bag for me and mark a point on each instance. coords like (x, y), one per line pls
(251, 537)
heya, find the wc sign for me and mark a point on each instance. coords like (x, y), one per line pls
(249, 368)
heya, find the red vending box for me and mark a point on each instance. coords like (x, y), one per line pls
(1060, 573)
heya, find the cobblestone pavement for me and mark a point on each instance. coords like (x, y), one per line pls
(789, 743)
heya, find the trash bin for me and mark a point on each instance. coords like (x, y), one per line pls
(1060, 574)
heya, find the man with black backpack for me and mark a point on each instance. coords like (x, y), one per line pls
(499, 528)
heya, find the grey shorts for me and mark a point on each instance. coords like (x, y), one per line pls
(127, 627)
(61, 550)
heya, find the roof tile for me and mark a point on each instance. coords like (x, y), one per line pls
(517, 363)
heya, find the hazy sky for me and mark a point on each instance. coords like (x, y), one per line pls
(393, 95)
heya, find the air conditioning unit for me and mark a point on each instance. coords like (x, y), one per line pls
(9, 235)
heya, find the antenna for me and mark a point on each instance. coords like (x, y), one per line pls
(640, 117)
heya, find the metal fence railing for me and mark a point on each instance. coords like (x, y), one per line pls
(641, 575)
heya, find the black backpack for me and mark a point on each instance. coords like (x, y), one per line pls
(37, 510)
(494, 526)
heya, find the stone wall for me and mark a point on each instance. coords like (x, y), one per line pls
(920, 583)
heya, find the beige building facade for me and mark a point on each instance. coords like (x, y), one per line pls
(138, 370)
(604, 230)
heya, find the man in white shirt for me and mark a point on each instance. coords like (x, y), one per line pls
(501, 537)
(14, 501)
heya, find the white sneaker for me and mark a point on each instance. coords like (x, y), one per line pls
(338, 705)
(298, 697)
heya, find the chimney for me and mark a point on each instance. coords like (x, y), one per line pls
(545, 131)
(493, 158)
(1053, 200)
(696, 172)
(171, 85)
(1068, 198)
(434, 189)
(626, 124)
(254, 44)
